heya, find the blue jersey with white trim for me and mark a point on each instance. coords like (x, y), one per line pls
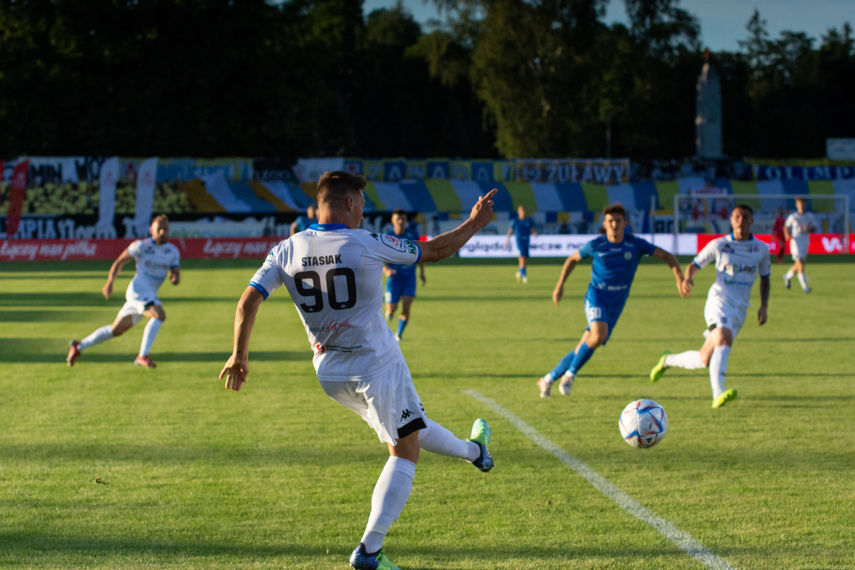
(522, 227)
(334, 277)
(614, 264)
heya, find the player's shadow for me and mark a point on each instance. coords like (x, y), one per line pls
(40, 350)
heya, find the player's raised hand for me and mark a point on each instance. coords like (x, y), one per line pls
(234, 372)
(482, 211)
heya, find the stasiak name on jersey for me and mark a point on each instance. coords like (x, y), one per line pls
(321, 260)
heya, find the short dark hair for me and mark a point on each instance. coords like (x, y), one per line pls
(614, 210)
(744, 207)
(160, 218)
(399, 212)
(336, 186)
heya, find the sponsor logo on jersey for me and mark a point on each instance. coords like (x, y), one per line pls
(319, 348)
(732, 269)
(395, 243)
(334, 326)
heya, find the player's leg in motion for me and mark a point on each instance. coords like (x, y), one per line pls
(156, 316)
(395, 484)
(545, 382)
(99, 335)
(406, 303)
(391, 298)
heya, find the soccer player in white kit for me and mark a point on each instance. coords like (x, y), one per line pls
(156, 259)
(797, 230)
(333, 273)
(739, 258)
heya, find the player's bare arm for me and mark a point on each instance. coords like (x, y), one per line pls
(117, 266)
(449, 243)
(569, 265)
(175, 276)
(672, 262)
(689, 281)
(237, 366)
(764, 300)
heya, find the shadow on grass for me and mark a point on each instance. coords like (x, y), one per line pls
(41, 350)
(53, 299)
(27, 546)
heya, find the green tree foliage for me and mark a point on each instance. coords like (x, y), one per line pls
(511, 78)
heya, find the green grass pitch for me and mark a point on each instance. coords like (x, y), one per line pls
(279, 476)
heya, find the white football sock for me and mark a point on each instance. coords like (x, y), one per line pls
(789, 275)
(437, 439)
(690, 360)
(803, 280)
(718, 367)
(148, 336)
(97, 337)
(391, 492)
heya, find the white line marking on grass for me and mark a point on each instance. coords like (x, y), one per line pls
(682, 540)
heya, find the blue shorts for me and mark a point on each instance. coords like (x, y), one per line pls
(605, 307)
(522, 245)
(398, 286)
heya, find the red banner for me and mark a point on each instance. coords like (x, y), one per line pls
(819, 243)
(17, 188)
(80, 249)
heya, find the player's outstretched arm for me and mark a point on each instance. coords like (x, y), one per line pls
(569, 265)
(237, 366)
(120, 262)
(449, 243)
(672, 262)
(764, 300)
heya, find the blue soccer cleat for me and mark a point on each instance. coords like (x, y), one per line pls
(481, 435)
(361, 561)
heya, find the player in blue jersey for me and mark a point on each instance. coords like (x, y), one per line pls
(523, 227)
(401, 279)
(615, 258)
(302, 223)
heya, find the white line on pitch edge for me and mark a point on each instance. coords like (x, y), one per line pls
(682, 540)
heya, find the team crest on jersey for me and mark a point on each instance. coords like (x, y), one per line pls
(627, 255)
(395, 243)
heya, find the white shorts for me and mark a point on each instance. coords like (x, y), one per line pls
(799, 247)
(388, 402)
(136, 302)
(718, 314)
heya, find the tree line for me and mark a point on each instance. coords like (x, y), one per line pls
(493, 79)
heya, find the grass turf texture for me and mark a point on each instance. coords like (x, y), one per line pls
(280, 476)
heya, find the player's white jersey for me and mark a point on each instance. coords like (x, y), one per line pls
(334, 276)
(796, 224)
(153, 264)
(737, 264)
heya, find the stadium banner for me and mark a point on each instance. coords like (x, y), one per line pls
(109, 249)
(17, 189)
(819, 243)
(820, 172)
(596, 170)
(563, 245)
(107, 181)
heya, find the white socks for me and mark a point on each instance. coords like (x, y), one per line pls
(690, 360)
(390, 496)
(148, 336)
(803, 280)
(97, 337)
(438, 439)
(789, 275)
(718, 367)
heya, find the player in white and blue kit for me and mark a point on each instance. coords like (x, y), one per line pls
(524, 228)
(615, 259)
(333, 272)
(797, 229)
(739, 259)
(302, 222)
(401, 278)
(156, 259)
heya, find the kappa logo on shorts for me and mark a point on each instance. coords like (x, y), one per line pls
(395, 243)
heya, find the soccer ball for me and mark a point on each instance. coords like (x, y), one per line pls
(643, 423)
